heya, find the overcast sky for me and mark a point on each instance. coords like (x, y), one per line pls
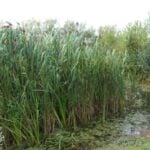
(92, 12)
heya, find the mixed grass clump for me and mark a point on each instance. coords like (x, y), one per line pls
(54, 78)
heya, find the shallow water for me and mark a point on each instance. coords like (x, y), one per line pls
(136, 124)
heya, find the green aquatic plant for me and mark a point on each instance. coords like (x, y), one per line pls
(51, 80)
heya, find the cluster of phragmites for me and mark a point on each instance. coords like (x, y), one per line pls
(7, 24)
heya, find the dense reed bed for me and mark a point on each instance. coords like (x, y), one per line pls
(52, 79)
